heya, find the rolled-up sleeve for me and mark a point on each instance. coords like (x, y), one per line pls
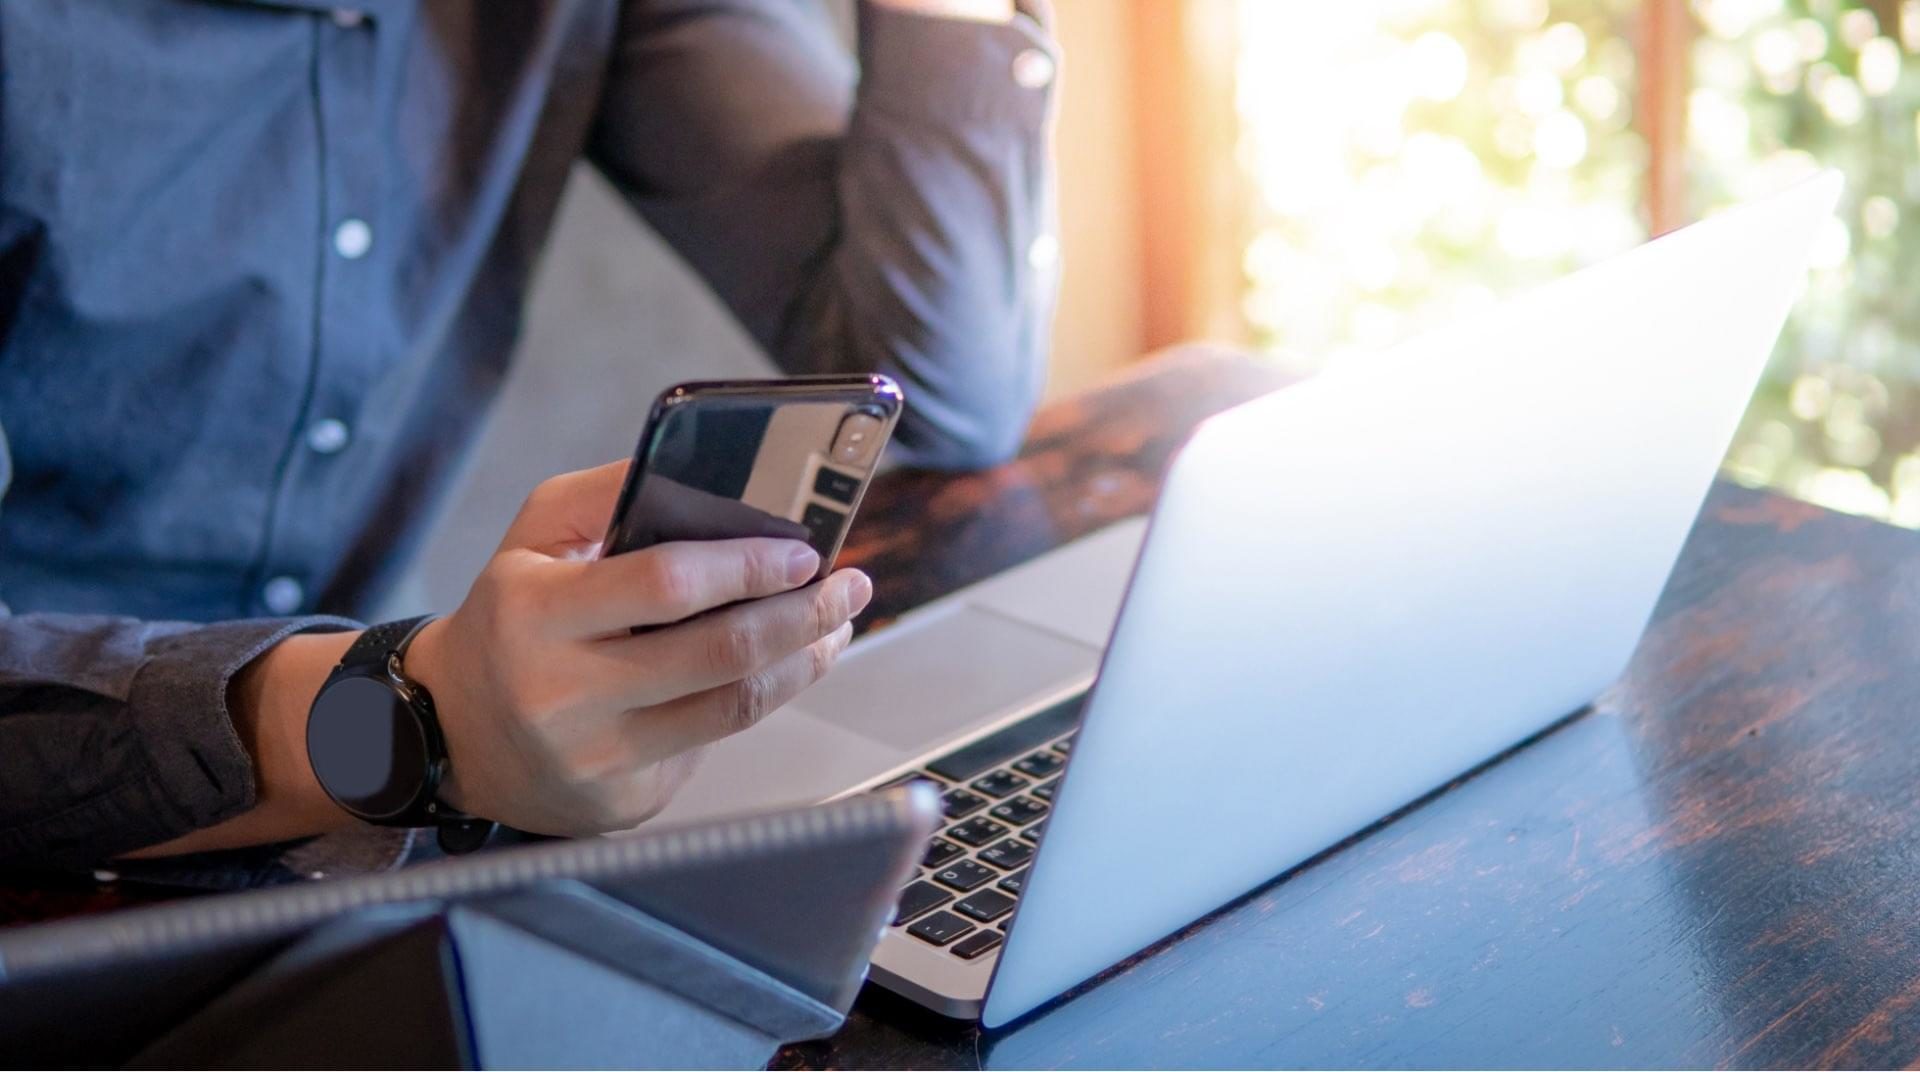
(115, 733)
(894, 215)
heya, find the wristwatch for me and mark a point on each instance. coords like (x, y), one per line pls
(375, 744)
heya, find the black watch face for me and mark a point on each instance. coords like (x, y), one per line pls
(367, 747)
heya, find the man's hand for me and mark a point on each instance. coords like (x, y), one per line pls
(558, 720)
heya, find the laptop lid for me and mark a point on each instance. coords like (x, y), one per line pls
(1355, 589)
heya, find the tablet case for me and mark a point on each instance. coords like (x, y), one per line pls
(707, 946)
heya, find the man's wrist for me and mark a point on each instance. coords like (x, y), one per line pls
(426, 665)
(268, 701)
(273, 697)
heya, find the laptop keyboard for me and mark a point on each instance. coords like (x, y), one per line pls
(996, 794)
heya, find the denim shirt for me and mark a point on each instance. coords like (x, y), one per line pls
(261, 271)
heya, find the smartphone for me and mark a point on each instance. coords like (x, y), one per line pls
(789, 458)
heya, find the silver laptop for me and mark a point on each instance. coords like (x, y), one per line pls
(1349, 592)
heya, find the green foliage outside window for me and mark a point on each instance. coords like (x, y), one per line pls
(1414, 159)
(1783, 86)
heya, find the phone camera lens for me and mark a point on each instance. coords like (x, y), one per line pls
(857, 441)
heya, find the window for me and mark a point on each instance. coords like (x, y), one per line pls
(1409, 160)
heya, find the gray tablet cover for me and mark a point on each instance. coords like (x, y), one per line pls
(695, 946)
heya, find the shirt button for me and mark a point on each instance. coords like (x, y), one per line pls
(1043, 253)
(352, 239)
(327, 436)
(347, 18)
(282, 595)
(1033, 69)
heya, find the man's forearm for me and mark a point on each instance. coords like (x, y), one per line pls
(119, 735)
(268, 701)
(941, 275)
(890, 214)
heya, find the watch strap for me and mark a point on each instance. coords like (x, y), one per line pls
(377, 642)
(462, 834)
(456, 831)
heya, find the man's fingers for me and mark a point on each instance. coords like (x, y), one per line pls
(572, 508)
(728, 645)
(697, 514)
(708, 716)
(671, 582)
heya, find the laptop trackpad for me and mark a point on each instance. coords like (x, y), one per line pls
(940, 673)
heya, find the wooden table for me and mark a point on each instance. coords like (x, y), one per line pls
(1719, 864)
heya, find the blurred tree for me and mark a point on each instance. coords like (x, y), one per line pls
(1783, 87)
(1411, 159)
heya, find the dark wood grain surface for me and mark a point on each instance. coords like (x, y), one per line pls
(1719, 864)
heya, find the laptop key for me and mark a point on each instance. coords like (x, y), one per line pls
(965, 875)
(1008, 854)
(977, 831)
(1040, 764)
(1001, 783)
(1014, 883)
(940, 928)
(1045, 790)
(1063, 746)
(1032, 833)
(970, 947)
(1019, 811)
(919, 899)
(985, 906)
(940, 852)
(959, 803)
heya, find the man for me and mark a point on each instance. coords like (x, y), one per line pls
(261, 267)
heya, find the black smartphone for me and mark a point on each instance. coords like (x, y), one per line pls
(789, 458)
